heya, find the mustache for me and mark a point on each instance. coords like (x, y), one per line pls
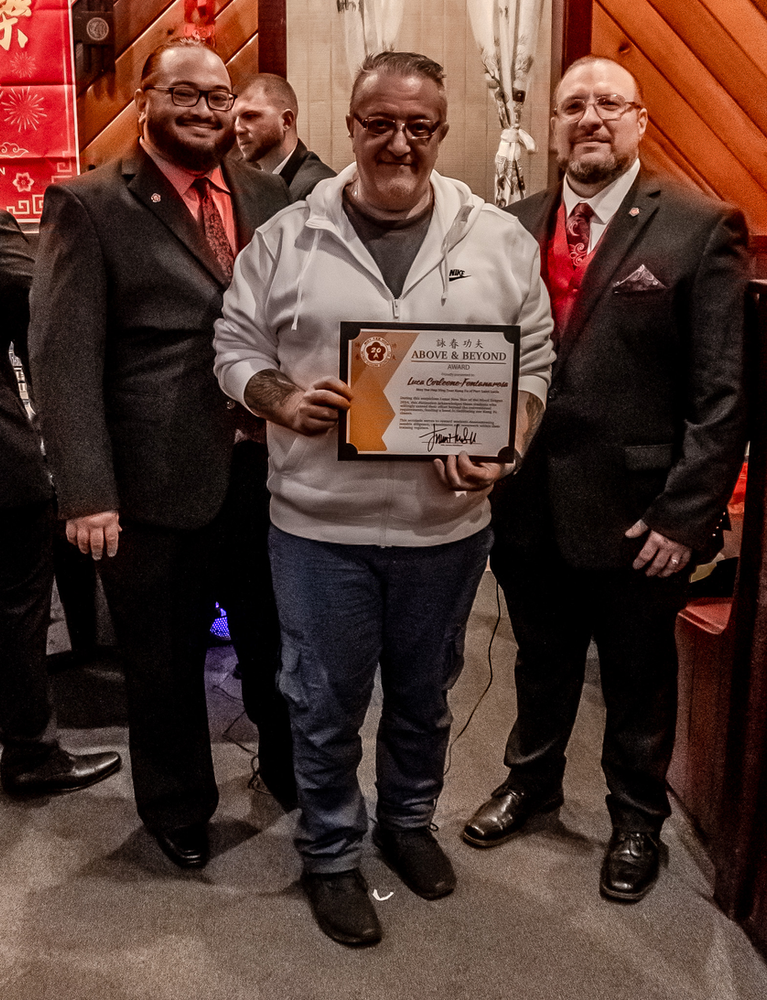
(194, 119)
(590, 133)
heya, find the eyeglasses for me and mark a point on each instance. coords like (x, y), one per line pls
(185, 96)
(609, 107)
(420, 130)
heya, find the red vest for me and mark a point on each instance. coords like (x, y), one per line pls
(564, 279)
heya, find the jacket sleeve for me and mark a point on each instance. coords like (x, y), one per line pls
(712, 444)
(67, 343)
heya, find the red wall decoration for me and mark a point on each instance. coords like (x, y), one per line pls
(38, 132)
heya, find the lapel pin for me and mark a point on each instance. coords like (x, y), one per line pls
(634, 212)
(156, 198)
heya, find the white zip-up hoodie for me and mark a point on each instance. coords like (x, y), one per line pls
(306, 271)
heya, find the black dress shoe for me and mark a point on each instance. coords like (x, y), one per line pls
(58, 772)
(342, 907)
(631, 865)
(186, 846)
(504, 813)
(418, 859)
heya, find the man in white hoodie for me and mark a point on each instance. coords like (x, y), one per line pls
(374, 562)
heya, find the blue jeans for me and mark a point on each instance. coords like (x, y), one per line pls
(343, 610)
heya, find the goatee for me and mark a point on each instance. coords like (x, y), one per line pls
(590, 173)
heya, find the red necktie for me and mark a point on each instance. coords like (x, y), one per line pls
(579, 232)
(213, 227)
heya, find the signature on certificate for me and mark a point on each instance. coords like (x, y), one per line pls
(444, 435)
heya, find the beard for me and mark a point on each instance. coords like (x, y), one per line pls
(589, 172)
(267, 141)
(197, 158)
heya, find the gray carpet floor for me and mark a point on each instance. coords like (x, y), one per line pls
(90, 910)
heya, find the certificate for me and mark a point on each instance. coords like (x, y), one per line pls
(427, 391)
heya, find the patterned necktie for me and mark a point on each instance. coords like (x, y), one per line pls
(579, 232)
(213, 227)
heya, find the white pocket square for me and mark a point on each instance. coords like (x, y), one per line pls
(641, 280)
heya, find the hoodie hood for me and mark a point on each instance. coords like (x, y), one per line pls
(456, 209)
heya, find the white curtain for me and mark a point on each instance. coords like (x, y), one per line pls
(369, 26)
(506, 32)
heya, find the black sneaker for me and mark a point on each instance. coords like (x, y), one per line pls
(418, 859)
(341, 906)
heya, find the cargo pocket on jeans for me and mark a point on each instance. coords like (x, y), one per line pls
(289, 679)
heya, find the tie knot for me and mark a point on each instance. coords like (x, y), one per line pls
(201, 186)
(582, 211)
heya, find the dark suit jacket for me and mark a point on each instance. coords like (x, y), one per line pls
(645, 416)
(124, 299)
(303, 170)
(23, 478)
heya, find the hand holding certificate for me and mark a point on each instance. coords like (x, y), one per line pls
(422, 391)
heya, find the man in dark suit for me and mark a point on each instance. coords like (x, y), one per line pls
(133, 262)
(265, 124)
(631, 469)
(32, 762)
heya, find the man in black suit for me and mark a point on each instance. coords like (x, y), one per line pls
(133, 262)
(265, 124)
(631, 469)
(32, 762)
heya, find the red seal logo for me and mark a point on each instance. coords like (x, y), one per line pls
(375, 351)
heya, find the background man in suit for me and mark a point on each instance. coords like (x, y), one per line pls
(133, 262)
(632, 466)
(32, 763)
(265, 123)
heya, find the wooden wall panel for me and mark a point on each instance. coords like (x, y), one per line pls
(737, 172)
(744, 23)
(244, 63)
(703, 66)
(725, 60)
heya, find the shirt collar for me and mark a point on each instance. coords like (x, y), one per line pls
(181, 178)
(606, 202)
(281, 166)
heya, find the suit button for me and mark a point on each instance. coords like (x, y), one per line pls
(230, 404)
(552, 394)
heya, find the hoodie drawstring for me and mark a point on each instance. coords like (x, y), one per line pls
(299, 284)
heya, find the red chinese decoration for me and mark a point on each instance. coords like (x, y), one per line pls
(38, 132)
(199, 18)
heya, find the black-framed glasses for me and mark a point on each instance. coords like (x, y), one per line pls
(379, 126)
(186, 96)
(609, 107)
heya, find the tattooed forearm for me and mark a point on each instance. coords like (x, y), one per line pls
(530, 412)
(267, 392)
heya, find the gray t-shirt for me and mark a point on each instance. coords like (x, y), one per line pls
(392, 245)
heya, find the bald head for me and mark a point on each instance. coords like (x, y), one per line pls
(604, 64)
(265, 123)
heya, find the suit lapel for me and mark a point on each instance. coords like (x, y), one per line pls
(634, 213)
(297, 157)
(152, 188)
(243, 184)
(537, 216)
